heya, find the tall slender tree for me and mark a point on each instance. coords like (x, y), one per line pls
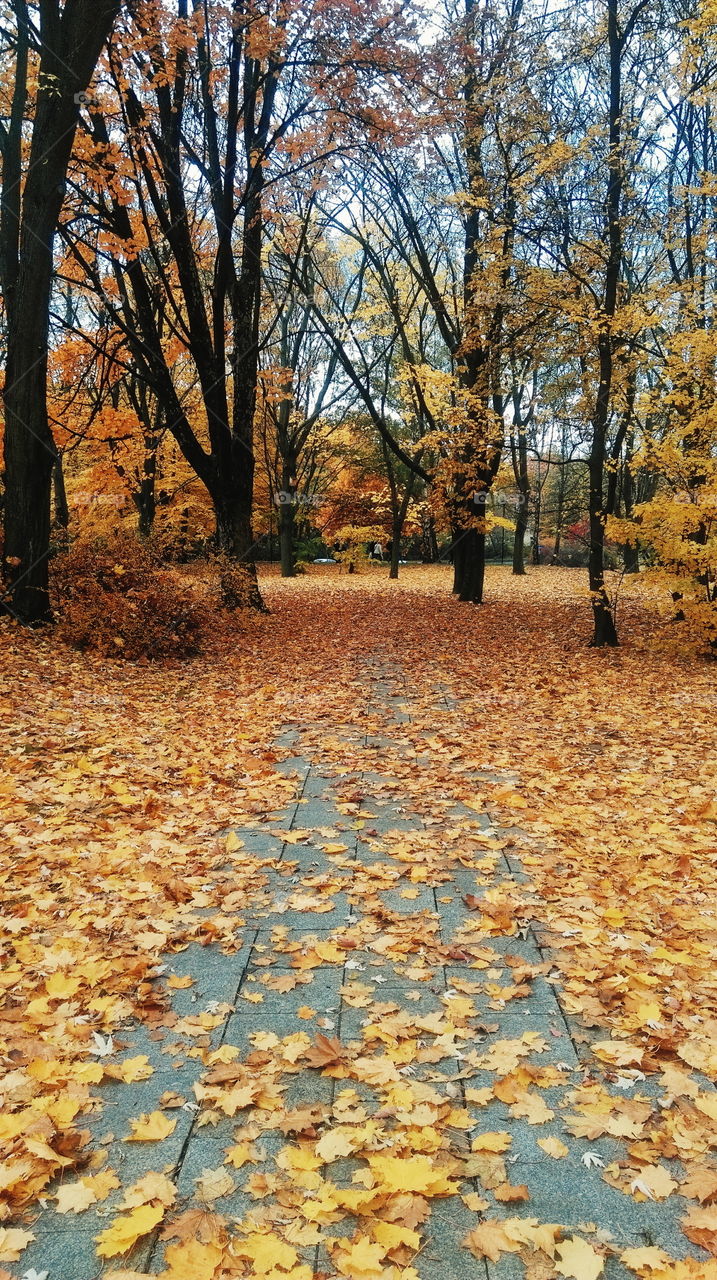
(55, 46)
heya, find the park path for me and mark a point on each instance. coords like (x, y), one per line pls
(356, 856)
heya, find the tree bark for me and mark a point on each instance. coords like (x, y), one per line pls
(62, 511)
(630, 553)
(395, 548)
(535, 540)
(521, 525)
(72, 39)
(286, 539)
(604, 630)
(145, 498)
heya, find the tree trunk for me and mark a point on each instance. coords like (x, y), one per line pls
(458, 558)
(286, 518)
(29, 447)
(234, 538)
(535, 540)
(62, 511)
(521, 524)
(555, 558)
(429, 541)
(397, 529)
(145, 497)
(604, 632)
(71, 42)
(286, 539)
(630, 552)
(470, 577)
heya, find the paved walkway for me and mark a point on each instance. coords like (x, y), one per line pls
(362, 934)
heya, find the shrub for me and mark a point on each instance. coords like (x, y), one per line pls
(113, 598)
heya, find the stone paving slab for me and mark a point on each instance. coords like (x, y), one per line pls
(564, 1191)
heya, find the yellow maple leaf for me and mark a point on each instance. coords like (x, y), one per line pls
(153, 1186)
(123, 1274)
(131, 1070)
(491, 1142)
(12, 1242)
(213, 1183)
(476, 1203)
(391, 1235)
(364, 1259)
(240, 1154)
(577, 1259)
(489, 1240)
(553, 1147)
(266, 1252)
(192, 1260)
(101, 1183)
(654, 1183)
(175, 983)
(74, 1197)
(480, 1097)
(646, 1259)
(124, 1232)
(533, 1108)
(301, 1272)
(151, 1128)
(707, 1104)
(412, 1173)
(61, 986)
(334, 1144)
(236, 1099)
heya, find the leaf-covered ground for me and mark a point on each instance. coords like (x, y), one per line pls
(460, 745)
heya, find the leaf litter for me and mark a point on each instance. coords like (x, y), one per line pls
(122, 794)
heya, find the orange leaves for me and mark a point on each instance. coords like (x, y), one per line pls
(700, 1226)
(325, 1052)
(573, 1257)
(701, 1184)
(491, 1240)
(136, 808)
(506, 1194)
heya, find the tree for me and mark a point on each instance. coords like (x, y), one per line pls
(59, 56)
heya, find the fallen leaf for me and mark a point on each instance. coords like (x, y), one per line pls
(577, 1259)
(151, 1128)
(213, 1183)
(74, 1197)
(124, 1231)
